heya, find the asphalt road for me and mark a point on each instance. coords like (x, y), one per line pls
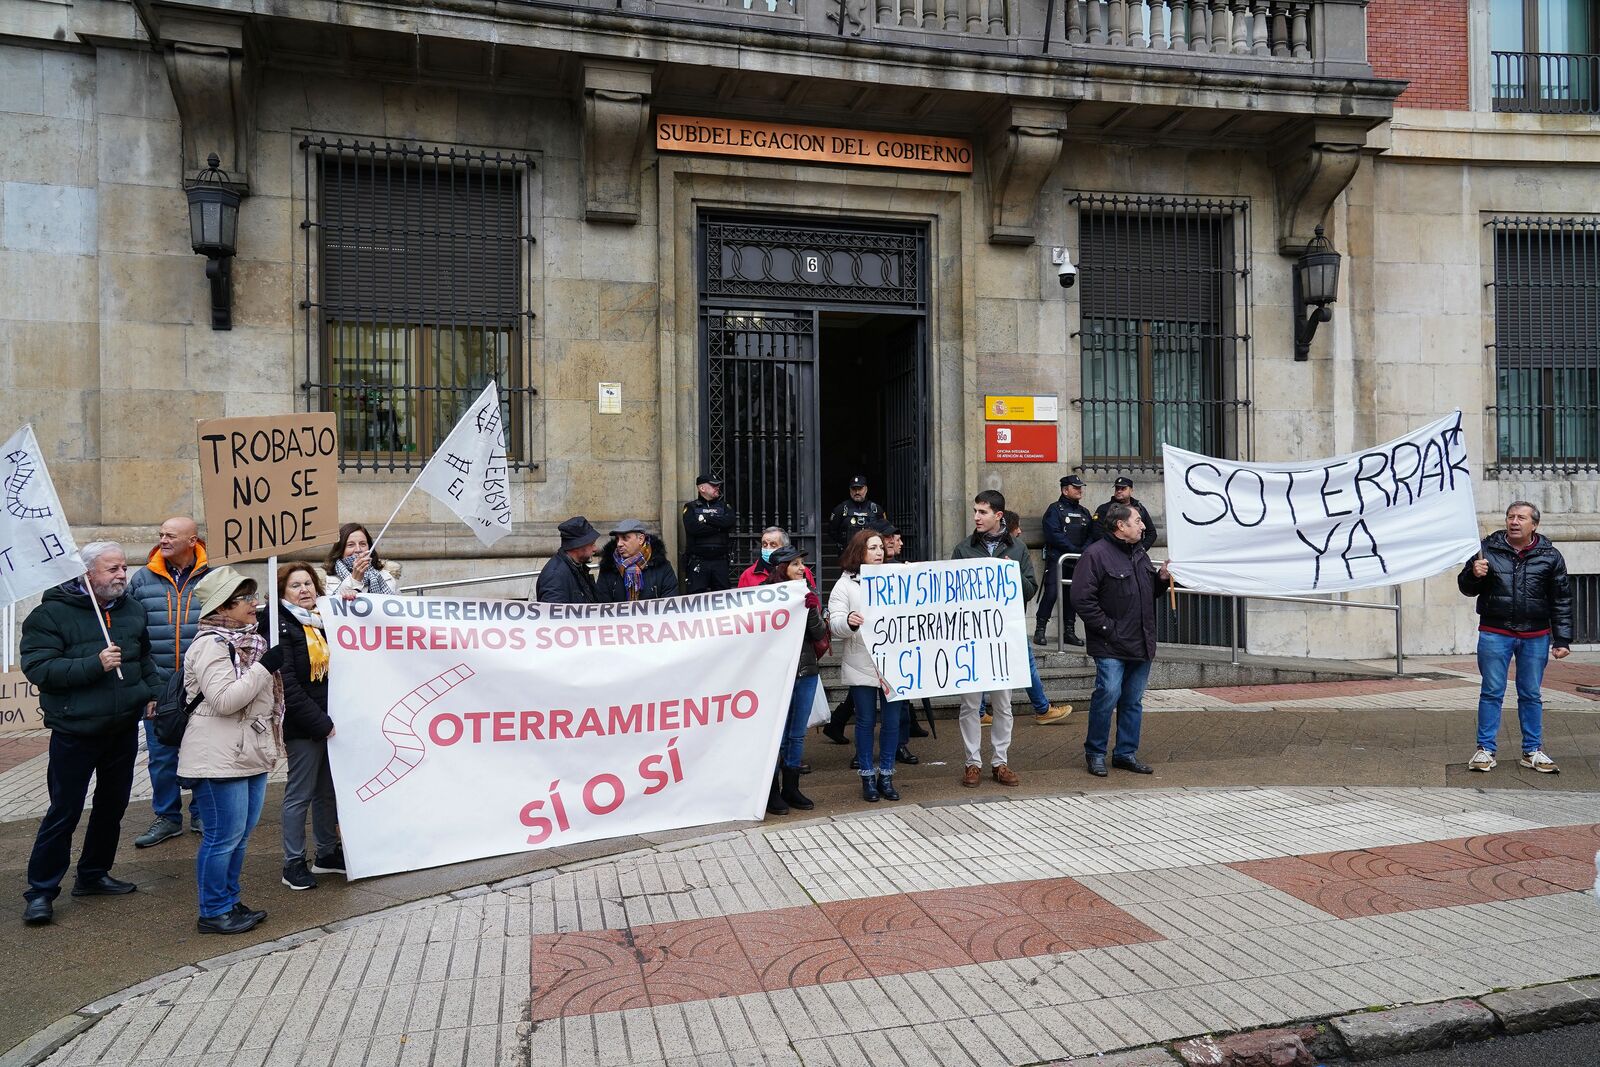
(1572, 1046)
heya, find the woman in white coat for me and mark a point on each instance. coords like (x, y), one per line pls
(845, 617)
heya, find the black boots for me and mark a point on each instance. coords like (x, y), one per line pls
(791, 790)
(869, 788)
(775, 804)
(1038, 634)
(886, 788)
(834, 729)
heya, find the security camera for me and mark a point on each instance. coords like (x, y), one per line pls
(1066, 273)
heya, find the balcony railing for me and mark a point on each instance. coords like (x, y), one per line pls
(1546, 83)
(1283, 30)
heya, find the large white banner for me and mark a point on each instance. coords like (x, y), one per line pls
(953, 626)
(1395, 513)
(467, 473)
(472, 728)
(36, 547)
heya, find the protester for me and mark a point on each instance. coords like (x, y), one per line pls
(93, 716)
(789, 565)
(773, 538)
(707, 519)
(566, 579)
(990, 539)
(854, 514)
(232, 741)
(1068, 528)
(1044, 713)
(353, 561)
(1122, 493)
(1114, 590)
(894, 547)
(306, 729)
(634, 566)
(165, 585)
(1525, 613)
(845, 605)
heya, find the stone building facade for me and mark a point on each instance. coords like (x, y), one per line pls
(439, 193)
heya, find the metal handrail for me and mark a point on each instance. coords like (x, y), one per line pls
(1239, 606)
(459, 583)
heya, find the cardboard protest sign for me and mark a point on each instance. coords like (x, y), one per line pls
(270, 484)
(953, 626)
(1395, 513)
(472, 728)
(19, 704)
(36, 546)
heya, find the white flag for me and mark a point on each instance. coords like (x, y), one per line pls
(468, 471)
(36, 547)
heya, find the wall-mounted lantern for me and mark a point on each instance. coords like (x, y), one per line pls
(213, 233)
(1316, 285)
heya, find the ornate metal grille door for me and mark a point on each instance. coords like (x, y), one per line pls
(761, 422)
(763, 285)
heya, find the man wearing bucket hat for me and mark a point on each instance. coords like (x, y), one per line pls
(707, 521)
(633, 565)
(565, 579)
(233, 740)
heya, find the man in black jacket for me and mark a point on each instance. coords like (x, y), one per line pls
(853, 514)
(565, 579)
(634, 566)
(1068, 527)
(1525, 611)
(707, 520)
(1122, 493)
(1114, 590)
(93, 697)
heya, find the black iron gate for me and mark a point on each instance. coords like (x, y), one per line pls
(763, 285)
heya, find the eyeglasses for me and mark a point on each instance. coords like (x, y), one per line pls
(248, 598)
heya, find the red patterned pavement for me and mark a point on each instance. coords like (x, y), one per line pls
(18, 750)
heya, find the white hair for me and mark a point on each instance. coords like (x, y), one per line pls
(91, 552)
(779, 531)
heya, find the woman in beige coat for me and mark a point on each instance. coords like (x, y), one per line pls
(233, 740)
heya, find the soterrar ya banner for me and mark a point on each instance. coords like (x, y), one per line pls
(1395, 513)
(473, 728)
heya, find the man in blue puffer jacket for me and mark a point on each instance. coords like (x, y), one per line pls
(165, 585)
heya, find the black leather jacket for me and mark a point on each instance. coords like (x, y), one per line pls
(1523, 592)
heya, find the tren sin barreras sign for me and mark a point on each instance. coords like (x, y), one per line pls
(812, 144)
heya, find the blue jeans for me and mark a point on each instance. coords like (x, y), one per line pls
(793, 746)
(165, 797)
(1495, 652)
(873, 710)
(1118, 686)
(229, 809)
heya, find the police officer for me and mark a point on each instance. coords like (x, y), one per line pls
(853, 514)
(707, 519)
(1068, 527)
(1122, 493)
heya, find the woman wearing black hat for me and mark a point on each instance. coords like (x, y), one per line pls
(845, 606)
(788, 564)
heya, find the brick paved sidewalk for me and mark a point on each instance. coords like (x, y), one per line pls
(1009, 932)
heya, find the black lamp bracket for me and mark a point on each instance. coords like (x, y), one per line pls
(1305, 329)
(219, 269)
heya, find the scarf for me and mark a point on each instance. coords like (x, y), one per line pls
(248, 647)
(632, 570)
(992, 544)
(316, 644)
(374, 582)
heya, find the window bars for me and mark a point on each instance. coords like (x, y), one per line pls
(417, 293)
(1546, 343)
(1165, 328)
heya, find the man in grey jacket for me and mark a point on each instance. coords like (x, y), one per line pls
(990, 540)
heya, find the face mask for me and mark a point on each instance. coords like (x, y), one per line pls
(766, 554)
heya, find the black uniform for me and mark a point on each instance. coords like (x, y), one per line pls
(849, 517)
(1068, 527)
(705, 543)
(1149, 538)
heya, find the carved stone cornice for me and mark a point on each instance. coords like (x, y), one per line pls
(211, 75)
(1317, 164)
(616, 122)
(1021, 150)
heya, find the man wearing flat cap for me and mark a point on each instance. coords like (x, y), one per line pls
(633, 565)
(707, 521)
(1122, 493)
(1068, 527)
(853, 514)
(565, 579)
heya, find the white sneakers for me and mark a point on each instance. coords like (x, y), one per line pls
(1538, 761)
(1483, 760)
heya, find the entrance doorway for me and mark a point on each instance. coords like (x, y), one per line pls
(814, 369)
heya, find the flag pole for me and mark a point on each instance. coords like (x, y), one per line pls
(272, 601)
(99, 617)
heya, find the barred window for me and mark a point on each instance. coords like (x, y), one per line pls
(1547, 342)
(420, 297)
(1164, 335)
